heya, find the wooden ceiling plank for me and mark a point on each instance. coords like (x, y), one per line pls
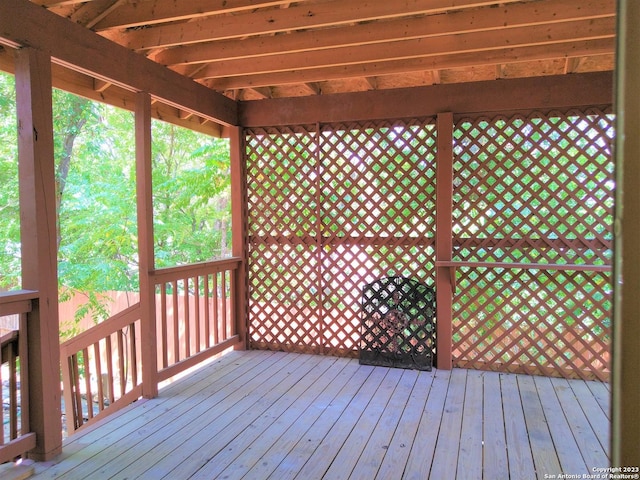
(57, 3)
(507, 55)
(523, 94)
(398, 29)
(334, 12)
(407, 49)
(74, 46)
(92, 12)
(163, 11)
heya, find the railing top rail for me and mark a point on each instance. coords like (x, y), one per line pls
(101, 330)
(11, 337)
(17, 296)
(177, 273)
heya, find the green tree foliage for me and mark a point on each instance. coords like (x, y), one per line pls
(96, 197)
(191, 189)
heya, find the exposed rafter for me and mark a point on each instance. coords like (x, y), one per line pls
(279, 48)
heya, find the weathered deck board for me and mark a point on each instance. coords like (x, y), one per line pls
(495, 460)
(258, 415)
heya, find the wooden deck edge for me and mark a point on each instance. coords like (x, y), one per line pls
(194, 360)
(17, 471)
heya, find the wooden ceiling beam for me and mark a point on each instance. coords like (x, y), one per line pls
(316, 15)
(73, 46)
(57, 3)
(505, 96)
(163, 11)
(465, 21)
(92, 12)
(434, 63)
(476, 42)
(85, 86)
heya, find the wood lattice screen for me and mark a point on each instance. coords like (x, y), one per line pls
(534, 190)
(333, 207)
(330, 209)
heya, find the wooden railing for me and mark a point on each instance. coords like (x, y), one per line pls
(101, 371)
(195, 319)
(195, 313)
(16, 439)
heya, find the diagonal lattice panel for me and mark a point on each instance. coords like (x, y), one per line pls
(535, 189)
(533, 321)
(284, 309)
(282, 230)
(377, 181)
(328, 212)
(378, 215)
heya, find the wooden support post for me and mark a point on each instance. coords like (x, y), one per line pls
(39, 246)
(445, 276)
(625, 438)
(145, 246)
(238, 232)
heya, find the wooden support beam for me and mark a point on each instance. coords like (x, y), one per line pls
(372, 82)
(313, 88)
(445, 276)
(238, 232)
(39, 245)
(100, 85)
(625, 447)
(144, 201)
(571, 64)
(264, 92)
(24, 23)
(490, 96)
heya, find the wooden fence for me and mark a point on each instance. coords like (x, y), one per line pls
(16, 437)
(524, 234)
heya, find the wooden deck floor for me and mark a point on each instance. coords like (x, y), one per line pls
(264, 415)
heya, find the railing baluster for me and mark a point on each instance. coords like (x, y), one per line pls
(133, 362)
(196, 320)
(23, 347)
(109, 358)
(87, 381)
(13, 392)
(1, 398)
(79, 418)
(121, 364)
(207, 303)
(176, 326)
(163, 327)
(223, 288)
(187, 330)
(98, 358)
(216, 317)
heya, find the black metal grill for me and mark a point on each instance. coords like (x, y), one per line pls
(398, 326)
